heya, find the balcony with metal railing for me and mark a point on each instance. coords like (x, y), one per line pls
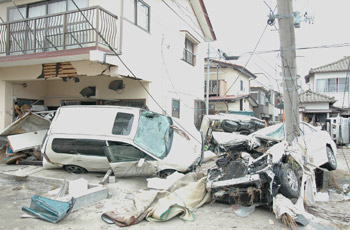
(62, 31)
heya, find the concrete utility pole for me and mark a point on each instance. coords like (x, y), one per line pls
(207, 86)
(288, 56)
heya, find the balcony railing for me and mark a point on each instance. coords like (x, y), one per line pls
(216, 88)
(60, 31)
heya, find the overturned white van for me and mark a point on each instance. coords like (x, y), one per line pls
(131, 141)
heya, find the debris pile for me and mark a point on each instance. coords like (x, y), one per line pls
(22, 139)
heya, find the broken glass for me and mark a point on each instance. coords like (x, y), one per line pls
(154, 134)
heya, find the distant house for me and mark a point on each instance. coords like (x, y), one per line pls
(332, 80)
(229, 88)
(53, 54)
(268, 100)
(316, 107)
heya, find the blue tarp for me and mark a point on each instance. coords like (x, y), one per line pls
(49, 210)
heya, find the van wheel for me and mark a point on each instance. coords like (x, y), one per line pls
(74, 169)
(332, 161)
(290, 184)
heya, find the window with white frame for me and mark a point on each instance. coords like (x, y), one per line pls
(332, 85)
(189, 55)
(137, 12)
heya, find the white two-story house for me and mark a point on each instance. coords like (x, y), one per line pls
(332, 80)
(143, 53)
(229, 88)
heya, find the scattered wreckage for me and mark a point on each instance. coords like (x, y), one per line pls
(23, 138)
(252, 170)
(130, 141)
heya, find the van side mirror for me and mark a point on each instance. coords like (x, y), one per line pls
(140, 163)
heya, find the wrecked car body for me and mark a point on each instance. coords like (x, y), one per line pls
(229, 123)
(130, 141)
(259, 166)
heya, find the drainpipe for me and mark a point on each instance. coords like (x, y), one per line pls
(121, 26)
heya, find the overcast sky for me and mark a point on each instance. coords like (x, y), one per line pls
(238, 25)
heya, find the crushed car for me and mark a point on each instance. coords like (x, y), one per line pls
(130, 141)
(228, 123)
(253, 169)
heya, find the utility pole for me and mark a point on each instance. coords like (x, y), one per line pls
(207, 88)
(288, 56)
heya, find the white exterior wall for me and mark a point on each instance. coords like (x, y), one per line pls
(341, 100)
(315, 106)
(155, 57)
(230, 75)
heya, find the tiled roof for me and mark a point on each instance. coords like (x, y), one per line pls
(311, 96)
(233, 66)
(340, 65)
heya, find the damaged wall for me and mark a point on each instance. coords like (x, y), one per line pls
(6, 104)
(59, 90)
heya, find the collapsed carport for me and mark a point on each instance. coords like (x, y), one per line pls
(48, 86)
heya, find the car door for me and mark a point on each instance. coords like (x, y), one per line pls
(90, 154)
(315, 144)
(127, 160)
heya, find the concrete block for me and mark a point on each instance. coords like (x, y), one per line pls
(91, 196)
(77, 187)
(87, 197)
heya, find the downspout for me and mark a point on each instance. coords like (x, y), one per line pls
(226, 106)
(121, 27)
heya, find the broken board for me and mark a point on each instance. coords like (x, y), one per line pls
(24, 141)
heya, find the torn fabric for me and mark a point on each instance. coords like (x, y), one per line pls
(182, 201)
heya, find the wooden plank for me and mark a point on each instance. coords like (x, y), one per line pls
(66, 75)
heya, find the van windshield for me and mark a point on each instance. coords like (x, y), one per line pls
(154, 134)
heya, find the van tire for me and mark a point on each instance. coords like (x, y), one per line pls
(290, 183)
(332, 160)
(75, 169)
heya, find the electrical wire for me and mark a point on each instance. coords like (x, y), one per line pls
(340, 45)
(242, 69)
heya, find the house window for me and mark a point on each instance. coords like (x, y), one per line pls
(242, 85)
(176, 108)
(44, 8)
(189, 55)
(262, 98)
(332, 85)
(137, 12)
(241, 104)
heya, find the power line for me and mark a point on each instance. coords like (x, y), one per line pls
(242, 69)
(302, 48)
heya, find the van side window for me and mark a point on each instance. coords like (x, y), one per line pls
(123, 124)
(122, 152)
(61, 145)
(79, 146)
(90, 147)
